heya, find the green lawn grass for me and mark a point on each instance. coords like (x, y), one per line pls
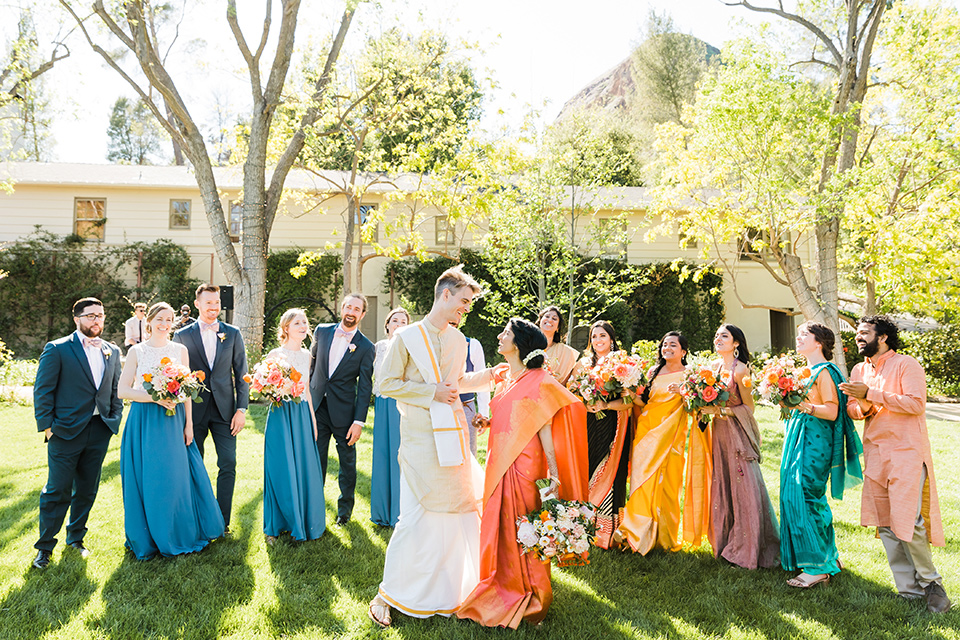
(240, 588)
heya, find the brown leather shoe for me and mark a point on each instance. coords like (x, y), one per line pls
(937, 600)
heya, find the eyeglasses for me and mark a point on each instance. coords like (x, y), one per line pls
(93, 316)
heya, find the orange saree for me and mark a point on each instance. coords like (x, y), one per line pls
(513, 586)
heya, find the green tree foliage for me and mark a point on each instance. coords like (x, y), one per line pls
(315, 288)
(406, 105)
(46, 274)
(133, 135)
(162, 268)
(24, 105)
(413, 280)
(901, 229)
(659, 298)
(752, 164)
(668, 65)
(546, 241)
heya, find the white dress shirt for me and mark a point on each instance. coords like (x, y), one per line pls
(338, 347)
(96, 362)
(475, 352)
(135, 330)
(209, 339)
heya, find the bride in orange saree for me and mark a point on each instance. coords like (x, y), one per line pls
(537, 430)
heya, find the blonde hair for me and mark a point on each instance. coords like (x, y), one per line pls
(394, 312)
(154, 310)
(453, 279)
(288, 316)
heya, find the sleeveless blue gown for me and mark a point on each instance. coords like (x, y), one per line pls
(293, 498)
(168, 503)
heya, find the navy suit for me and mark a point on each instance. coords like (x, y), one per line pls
(340, 398)
(227, 392)
(64, 399)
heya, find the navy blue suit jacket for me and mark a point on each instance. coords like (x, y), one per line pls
(64, 394)
(225, 382)
(347, 389)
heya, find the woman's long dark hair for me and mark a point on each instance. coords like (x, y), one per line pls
(560, 335)
(606, 326)
(743, 353)
(527, 337)
(661, 362)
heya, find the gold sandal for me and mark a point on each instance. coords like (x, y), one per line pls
(379, 605)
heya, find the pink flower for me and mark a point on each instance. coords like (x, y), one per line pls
(275, 378)
(170, 371)
(709, 394)
(298, 388)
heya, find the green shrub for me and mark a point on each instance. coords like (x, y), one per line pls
(939, 353)
(317, 289)
(663, 299)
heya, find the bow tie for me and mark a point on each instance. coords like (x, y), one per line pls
(92, 342)
(213, 326)
(340, 333)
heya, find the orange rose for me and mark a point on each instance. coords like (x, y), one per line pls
(709, 379)
(147, 377)
(201, 376)
(747, 382)
(247, 378)
(772, 378)
(544, 516)
(295, 375)
(805, 373)
(165, 360)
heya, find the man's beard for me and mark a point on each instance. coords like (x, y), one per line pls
(91, 332)
(348, 321)
(869, 349)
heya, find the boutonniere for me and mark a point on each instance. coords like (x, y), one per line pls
(352, 347)
(222, 336)
(107, 353)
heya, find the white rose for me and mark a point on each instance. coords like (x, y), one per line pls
(527, 535)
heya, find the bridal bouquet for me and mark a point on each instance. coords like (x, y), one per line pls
(276, 381)
(702, 387)
(560, 530)
(613, 374)
(175, 382)
(781, 382)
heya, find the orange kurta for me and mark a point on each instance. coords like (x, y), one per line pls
(514, 587)
(896, 446)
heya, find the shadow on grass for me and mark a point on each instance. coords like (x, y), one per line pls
(181, 597)
(682, 594)
(352, 565)
(47, 600)
(13, 517)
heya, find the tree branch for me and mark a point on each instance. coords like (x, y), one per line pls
(289, 155)
(806, 24)
(253, 63)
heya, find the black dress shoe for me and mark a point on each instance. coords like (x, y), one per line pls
(937, 600)
(342, 520)
(78, 546)
(42, 559)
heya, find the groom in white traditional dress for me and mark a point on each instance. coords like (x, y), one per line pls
(433, 559)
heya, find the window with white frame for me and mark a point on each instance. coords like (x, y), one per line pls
(90, 218)
(180, 214)
(445, 232)
(236, 220)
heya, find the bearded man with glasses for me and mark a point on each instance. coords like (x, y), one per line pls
(76, 407)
